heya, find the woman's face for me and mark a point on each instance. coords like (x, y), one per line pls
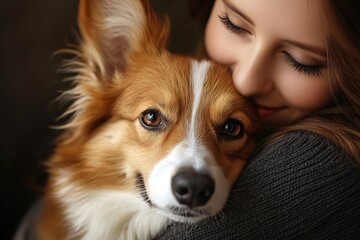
(276, 52)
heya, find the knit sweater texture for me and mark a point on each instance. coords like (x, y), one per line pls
(300, 187)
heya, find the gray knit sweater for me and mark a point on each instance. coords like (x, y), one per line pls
(301, 187)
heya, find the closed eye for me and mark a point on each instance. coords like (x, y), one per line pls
(230, 25)
(314, 70)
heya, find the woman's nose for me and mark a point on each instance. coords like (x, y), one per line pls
(253, 75)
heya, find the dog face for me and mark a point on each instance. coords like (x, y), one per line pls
(177, 123)
(147, 122)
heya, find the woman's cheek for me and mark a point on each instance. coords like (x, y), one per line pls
(308, 93)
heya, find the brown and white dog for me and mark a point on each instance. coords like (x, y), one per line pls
(154, 137)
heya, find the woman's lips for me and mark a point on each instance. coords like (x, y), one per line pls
(265, 111)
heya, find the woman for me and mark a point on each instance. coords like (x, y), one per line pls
(299, 62)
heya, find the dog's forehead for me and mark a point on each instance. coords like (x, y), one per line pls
(180, 75)
(179, 84)
(214, 89)
(160, 72)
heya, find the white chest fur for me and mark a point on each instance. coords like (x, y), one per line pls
(109, 214)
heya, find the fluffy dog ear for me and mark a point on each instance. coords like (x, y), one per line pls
(113, 30)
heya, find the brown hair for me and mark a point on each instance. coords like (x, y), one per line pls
(340, 121)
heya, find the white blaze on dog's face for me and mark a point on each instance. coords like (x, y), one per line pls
(190, 182)
(177, 122)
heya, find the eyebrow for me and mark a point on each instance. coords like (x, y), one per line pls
(308, 48)
(237, 11)
(305, 47)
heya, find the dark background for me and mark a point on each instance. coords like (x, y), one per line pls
(30, 32)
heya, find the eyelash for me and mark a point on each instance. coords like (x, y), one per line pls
(301, 68)
(298, 67)
(229, 25)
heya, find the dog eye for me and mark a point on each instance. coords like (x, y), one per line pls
(232, 129)
(151, 119)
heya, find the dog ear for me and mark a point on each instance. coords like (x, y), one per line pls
(113, 30)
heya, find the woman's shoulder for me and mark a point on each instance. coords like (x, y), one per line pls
(302, 144)
(301, 150)
(301, 153)
(302, 184)
(305, 164)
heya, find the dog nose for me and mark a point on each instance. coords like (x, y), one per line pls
(192, 188)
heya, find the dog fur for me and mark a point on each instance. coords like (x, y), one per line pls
(139, 116)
